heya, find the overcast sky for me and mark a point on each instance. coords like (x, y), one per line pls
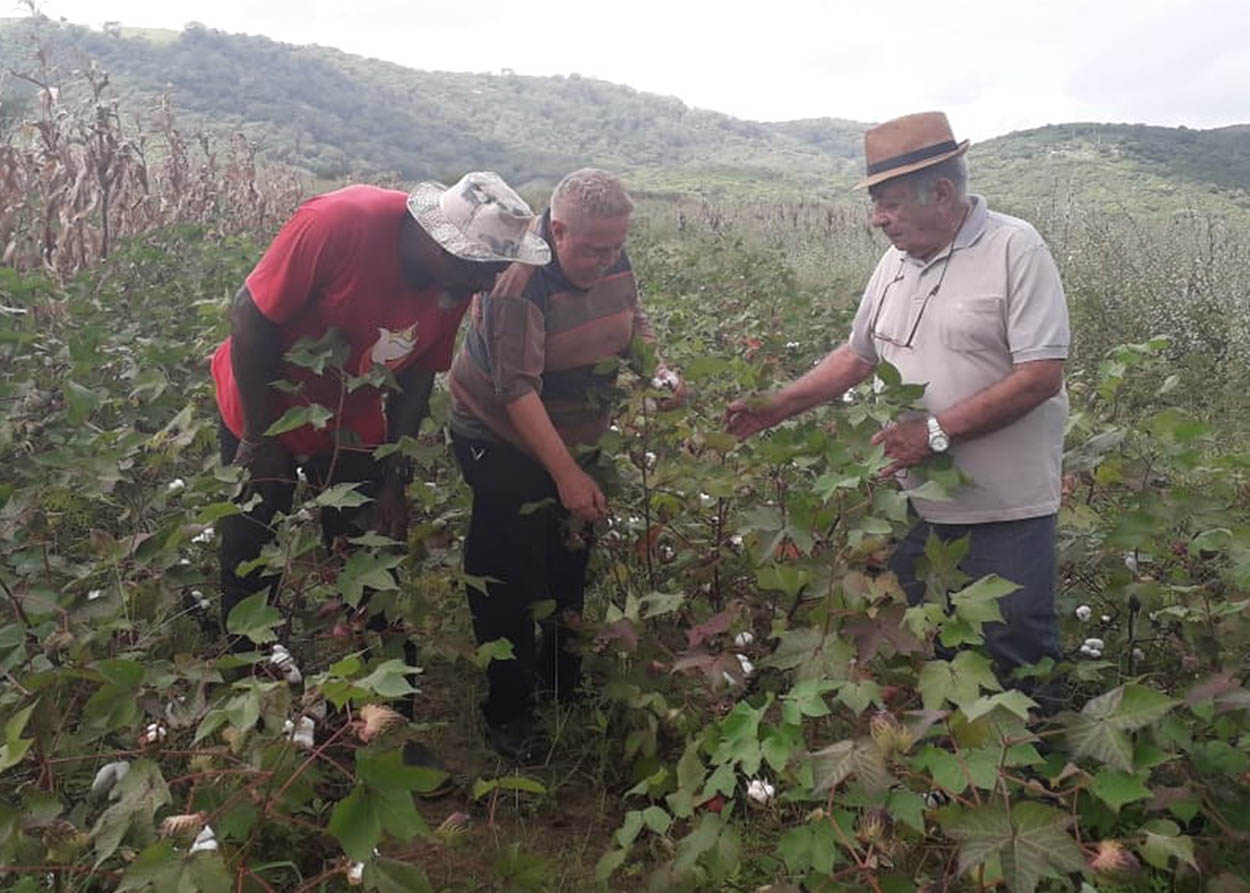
(992, 65)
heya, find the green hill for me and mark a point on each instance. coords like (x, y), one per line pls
(340, 116)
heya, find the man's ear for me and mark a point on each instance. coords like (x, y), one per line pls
(944, 191)
(559, 229)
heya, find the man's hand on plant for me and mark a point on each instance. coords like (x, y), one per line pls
(581, 495)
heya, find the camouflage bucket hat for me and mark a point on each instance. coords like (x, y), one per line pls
(480, 219)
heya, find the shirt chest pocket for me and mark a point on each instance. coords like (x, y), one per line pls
(973, 324)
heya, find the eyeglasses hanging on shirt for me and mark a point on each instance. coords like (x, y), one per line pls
(898, 277)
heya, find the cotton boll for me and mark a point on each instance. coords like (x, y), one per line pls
(205, 841)
(176, 485)
(109, 776)
(1083, 612)
(760, 791)
(747, 667)
(744, 638)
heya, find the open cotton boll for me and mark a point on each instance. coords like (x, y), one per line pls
(1083, 612)
(744, 638)
(301, 734)
(747, 667)
(281, 658)
(760, 791)
(176, 485)
(665, 378)
(109, 776)
(205, 841)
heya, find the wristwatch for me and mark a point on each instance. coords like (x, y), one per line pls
(939, 440)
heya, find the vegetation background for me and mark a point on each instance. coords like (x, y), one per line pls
(765, 714)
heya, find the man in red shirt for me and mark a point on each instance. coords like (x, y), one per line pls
(392, 274)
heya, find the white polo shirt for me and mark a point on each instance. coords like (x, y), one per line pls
(1000, 303)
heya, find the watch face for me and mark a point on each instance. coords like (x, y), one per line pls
(939, 442)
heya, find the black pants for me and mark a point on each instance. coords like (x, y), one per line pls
(536, 555)
(243, 536)
(1020, 551)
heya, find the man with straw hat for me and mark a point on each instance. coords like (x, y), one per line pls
(968, 302)
(385, 277)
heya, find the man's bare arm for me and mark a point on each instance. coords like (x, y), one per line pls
(834, 375)
(254, 357)
(1026, 387)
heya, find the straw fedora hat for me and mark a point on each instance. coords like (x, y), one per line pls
(480, 218)
(908, 144)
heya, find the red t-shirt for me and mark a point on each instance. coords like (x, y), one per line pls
(336, 263)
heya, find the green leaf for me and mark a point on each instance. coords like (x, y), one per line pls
(1163, 841)
(299, 416)
(1100, 729)
(80, 402)
(520, 783)
(657, 604)
(388, 679)
(255, 618)
(367, 570)
(958, 681)
(15, 746)
(357, 824)
(1117, 788)
(978, 603)
(341, 496)
(628, 832)
(656, 819)
(908, 808)
(388, 771)
(859, 757)
(1014, 700)
(1031, 841)
(398, 814)
(140, 794)
(497, 649)
(393, 876)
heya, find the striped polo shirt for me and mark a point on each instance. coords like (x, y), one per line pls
(536, 331)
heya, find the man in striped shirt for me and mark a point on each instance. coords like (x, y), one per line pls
(532, 392)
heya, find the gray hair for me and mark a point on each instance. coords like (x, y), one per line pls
(923, 183)
(592, 193)
(954, 169)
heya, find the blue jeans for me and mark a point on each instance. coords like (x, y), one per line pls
(1020, 551)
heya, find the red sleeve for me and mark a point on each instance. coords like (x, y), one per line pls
(301, 258)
